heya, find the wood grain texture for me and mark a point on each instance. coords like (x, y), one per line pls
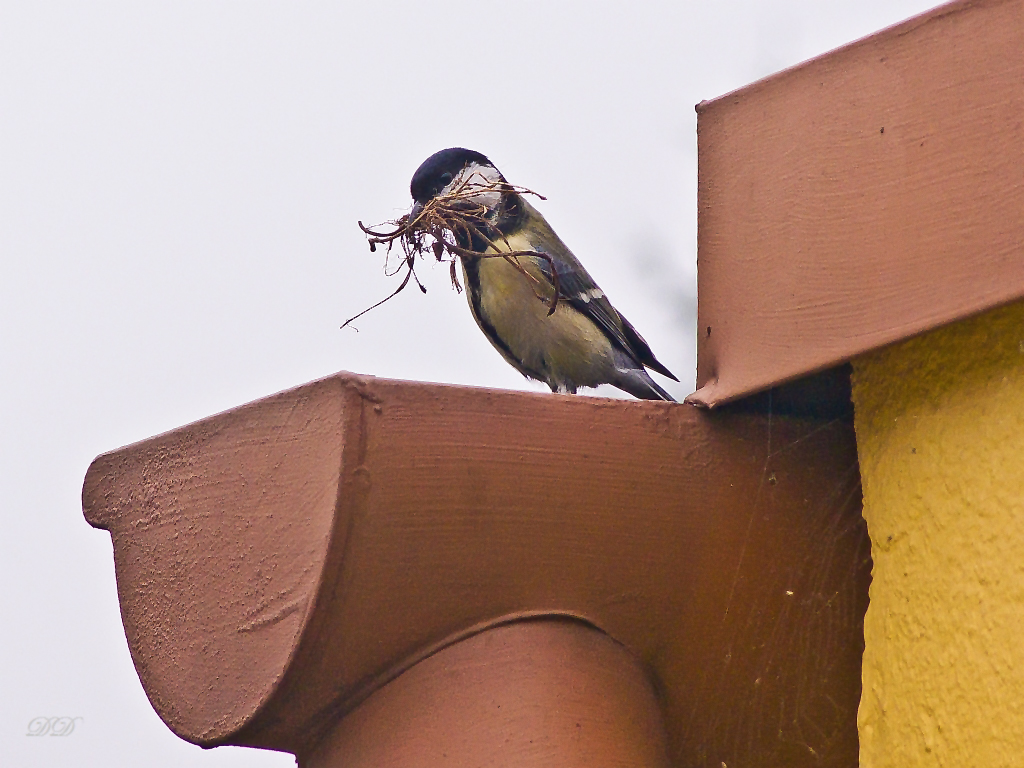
(861, 198)
(726, 552)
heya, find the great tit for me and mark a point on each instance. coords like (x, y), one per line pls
(584, 342)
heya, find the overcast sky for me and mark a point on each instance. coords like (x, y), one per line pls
(179, 189)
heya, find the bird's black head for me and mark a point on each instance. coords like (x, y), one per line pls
(438, 171)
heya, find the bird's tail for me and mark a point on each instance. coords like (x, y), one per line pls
(639, 383)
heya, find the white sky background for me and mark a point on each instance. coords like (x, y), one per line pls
(179, 189)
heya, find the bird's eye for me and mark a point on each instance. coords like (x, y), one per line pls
(446, 179)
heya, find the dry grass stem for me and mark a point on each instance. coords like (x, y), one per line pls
(439, 228)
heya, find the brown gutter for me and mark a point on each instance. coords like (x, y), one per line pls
(283, 566)
(861, 198)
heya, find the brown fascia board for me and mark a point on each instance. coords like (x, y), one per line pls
(861, 198)
(278, 563)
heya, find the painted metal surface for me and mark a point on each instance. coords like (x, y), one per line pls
(543, 692)
(280, 563)
(861, 198)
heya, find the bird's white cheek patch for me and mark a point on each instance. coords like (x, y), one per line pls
(476, 175)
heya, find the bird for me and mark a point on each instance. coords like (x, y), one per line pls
(584, 341)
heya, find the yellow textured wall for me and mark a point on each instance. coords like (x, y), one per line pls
(940, 433)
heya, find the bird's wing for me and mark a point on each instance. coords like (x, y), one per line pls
(580, 290)
(577, 287)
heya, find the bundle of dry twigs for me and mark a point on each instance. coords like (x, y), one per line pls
(445, 226)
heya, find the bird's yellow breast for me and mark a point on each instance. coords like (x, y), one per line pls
(563, 347)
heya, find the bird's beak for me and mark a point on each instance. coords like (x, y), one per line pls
(417, 209)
